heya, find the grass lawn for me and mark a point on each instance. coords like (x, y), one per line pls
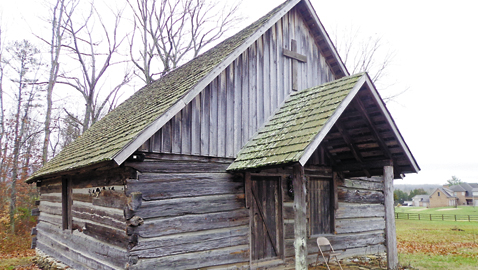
(449, 210)
(437, 245)
(17, 263)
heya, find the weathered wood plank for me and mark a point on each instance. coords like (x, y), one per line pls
(191, 242)
(213, 118)
(197, 260)
(359, 225)
(190, 223)
(229, 121)
(221, 114)
(166, 186)
(205, 118)
(166, 138)
(237, 125)
(193, 205)
(354, 210)
(176, 134)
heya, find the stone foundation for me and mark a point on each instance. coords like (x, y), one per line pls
(46, 262)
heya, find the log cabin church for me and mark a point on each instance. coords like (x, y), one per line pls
(239, 159)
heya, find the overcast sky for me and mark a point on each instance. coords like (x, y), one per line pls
(435, 46)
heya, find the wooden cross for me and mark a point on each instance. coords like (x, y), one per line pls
(296, 57)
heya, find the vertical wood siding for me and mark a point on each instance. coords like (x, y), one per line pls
(235, 105)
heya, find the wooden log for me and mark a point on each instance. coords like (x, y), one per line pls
(35, 212)
(107, 234)
(300, 218)
(110, 198)
(81, 245)
(191, 242)
(359, 225)
(191, 205)
(167, 186)
(190, 223)
(341, 242)
(355, 210)
(135, 221)
(34, 243)
(103, 178)
(51, 197)
(359, 195)
(103, 215)
(391, 242)
(135, 199)
(178, 167)
(52, 219)
(363, 184)
(203, 259)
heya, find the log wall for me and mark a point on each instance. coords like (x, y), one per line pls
(231, 109)
(97, 238)
(359, 219)
(193, 214)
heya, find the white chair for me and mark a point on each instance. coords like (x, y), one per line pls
(322, 241)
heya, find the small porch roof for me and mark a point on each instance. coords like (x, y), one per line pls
(346, 117)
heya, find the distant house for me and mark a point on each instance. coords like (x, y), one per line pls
(467, 193)
(442, 196)
(421, 200)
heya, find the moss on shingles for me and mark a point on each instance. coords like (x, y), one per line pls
(286, 136)
(107, 137)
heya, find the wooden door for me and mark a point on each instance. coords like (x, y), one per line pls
(320, 206)
(266, 214)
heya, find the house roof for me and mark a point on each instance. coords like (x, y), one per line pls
(324, 114)
(448, 192)
(121, 132)
(457, 188)
(422, 198)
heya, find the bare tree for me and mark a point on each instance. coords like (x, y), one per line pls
(2, 68)
(174, 30)
(363, 53)
(94, 58)
(55, 44)
(25, 63)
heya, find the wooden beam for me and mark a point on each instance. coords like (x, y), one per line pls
(300, 217)
(390, 233)
(352, 146)
(294, 55)
(295, 67)
(363, 111)
(363, 165)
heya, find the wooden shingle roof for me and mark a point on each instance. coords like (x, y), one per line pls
(106, 139)
(346, 118)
